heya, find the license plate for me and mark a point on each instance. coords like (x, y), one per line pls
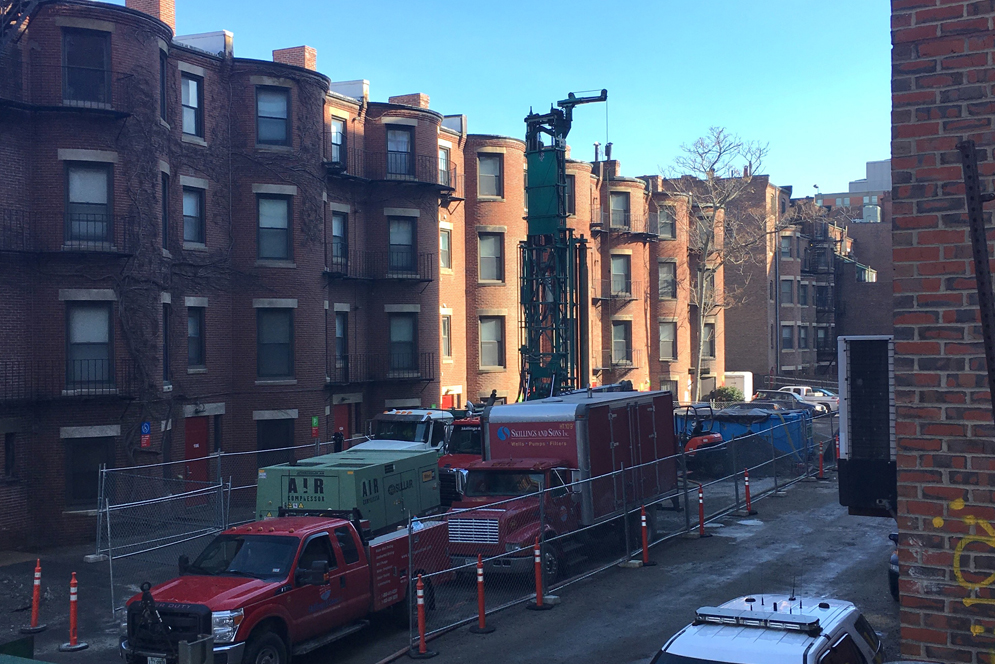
(157, 660)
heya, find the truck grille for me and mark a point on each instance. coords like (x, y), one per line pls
(473, 531)
(178, 624)
(447, 487)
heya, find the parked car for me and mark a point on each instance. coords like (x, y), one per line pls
(816, 395)
(790, 400)
(761, 629)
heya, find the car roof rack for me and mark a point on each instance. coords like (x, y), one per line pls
(711, 615)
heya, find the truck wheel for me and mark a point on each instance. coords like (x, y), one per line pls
(552, 565)
(266, 648)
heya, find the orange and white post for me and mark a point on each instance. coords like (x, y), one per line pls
(538, 604)
(481, 626)
(74, 643)
(746, 483)
(35, 603)
(646, 538)
(423, 652)
(701, 512)
(822, 475)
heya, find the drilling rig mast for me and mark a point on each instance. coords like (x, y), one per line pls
(554, 283)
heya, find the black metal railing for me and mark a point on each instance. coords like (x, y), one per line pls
(24, 231)
(396, 263)
(620, 221)
(28, 380)
(619, 359)
(67, 86)
(372, 367)
(391, 166)
(621, 288)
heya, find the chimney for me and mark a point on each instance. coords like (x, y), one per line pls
(164, 10)
(416, 99)
(298, 56)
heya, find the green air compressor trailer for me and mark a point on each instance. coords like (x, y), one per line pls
(384, 485)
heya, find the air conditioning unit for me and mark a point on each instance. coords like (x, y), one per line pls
(868, 475)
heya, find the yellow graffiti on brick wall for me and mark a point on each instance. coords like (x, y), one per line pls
(988, 540)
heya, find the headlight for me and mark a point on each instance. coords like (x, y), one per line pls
(513, 547)
(225, 625)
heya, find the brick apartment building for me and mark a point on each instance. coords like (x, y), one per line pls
(225, 248)
(942, 70)
(826, 262)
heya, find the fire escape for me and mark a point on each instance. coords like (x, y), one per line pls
(14, 17)
(821, 263)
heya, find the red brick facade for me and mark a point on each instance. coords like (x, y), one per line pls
(941, 92)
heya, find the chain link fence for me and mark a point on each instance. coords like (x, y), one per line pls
(148, 516)
(584, 527)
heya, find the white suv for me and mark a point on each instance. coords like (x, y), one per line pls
(771, 629)
(816, 395)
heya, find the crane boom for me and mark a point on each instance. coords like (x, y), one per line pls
(554, 331)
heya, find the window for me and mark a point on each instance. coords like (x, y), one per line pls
(401, 254)
(192, 100)
(163, 87)
(195, 337)
(785, 246)
(89, 358)
(525, 184)
(274, 227)
(787, 337)
(844, 651)
(821, 338)
(772, 336)
(165, 343)
(492, 341)
(822, 297)
(846, 201)
(403, 348)
(273, 116)
(193, 216)
(621, 342)
(444, 174)
(666, 222)
(667, 279)
(669, 386)
(619, 202)
(802, 337)
(317, 550)
(874, 200)
(275, 343)
(621, 281)
(491, 256)
(867, 633)
(338, 141)
(867, 199)
(273, 437)
(84, 456)
(803, 294)
(571, 194)
(341, 339)
(340, 241)
(400, 144)
(165, 210)
(447, 336)
(787, 291)
(708, 340)
(771, 289)
(489, 174)
(86, 76)
(350, 552)
(88, 203)
(445, 249)
(668, 340)
(839, 202)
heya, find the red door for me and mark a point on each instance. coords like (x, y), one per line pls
(195, 434)
(340, 417)
(447, 401)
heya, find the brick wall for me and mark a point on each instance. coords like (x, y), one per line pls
(941, 92)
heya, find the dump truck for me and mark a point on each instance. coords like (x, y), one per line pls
(558, 443)
(276, 589)
(384, 486)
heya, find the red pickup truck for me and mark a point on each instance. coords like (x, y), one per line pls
(277, 588)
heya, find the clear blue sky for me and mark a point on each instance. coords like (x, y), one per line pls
(810, 77)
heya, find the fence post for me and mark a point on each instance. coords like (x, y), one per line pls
(625, 517)
(773, 455)
(411, 586)
(684, 478)
(110, 560)
(100, 503)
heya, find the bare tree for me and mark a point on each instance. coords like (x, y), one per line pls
(728, 222)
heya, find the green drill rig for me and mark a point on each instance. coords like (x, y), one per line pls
(553, 262)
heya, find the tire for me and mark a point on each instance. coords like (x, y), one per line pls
(266, 648)
(552, 566)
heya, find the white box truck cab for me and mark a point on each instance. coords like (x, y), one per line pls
(419, 430)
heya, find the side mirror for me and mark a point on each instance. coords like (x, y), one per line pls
(316, 575)
(184, 564)
(893, 537)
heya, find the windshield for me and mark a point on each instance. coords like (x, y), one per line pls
(500, 483)
(823, 393)
(670, 658)
(416, 432)
(257, 556)
(465, 439)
